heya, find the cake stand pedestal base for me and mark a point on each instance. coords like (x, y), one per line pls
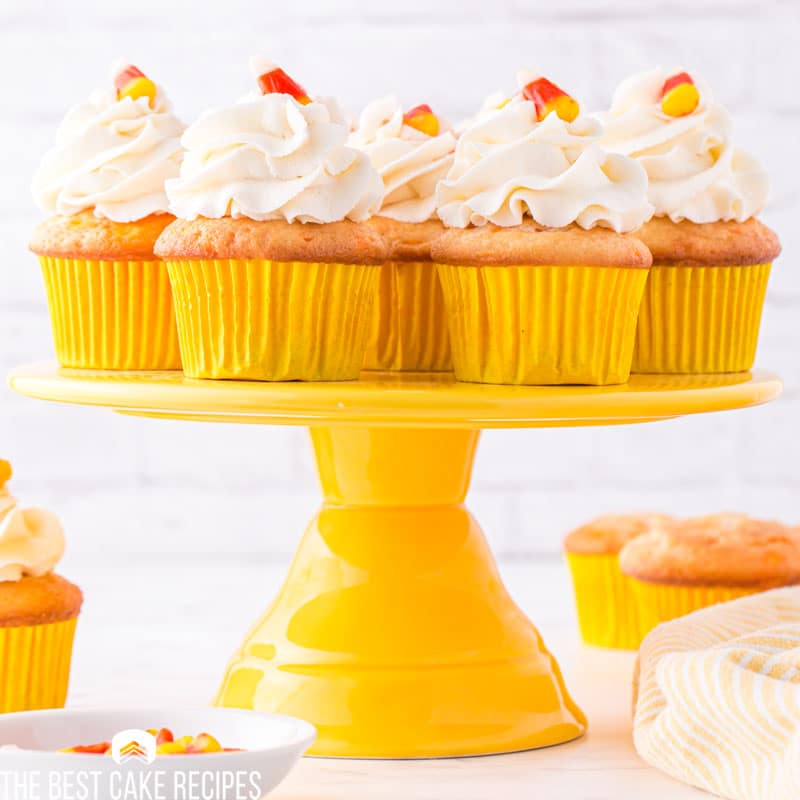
(393, 633)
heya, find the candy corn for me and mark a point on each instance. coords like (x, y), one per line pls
(166, 745)
(679, 95)
(204, 743)
(100, 749)
(422, 119)
(273, 80)
(547, 97)
(131, 82)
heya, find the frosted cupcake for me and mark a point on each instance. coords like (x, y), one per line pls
(273, 269)
(103, 182)
(701, 310)
(411, 152)
(540, 284)
(38, 609)
(677, 569)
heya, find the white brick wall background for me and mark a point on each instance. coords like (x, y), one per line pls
(129, 488)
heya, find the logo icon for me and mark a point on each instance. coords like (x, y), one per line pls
(133, 745)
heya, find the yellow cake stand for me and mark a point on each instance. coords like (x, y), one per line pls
(393, 633)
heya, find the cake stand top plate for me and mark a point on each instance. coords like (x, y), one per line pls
(397, 399)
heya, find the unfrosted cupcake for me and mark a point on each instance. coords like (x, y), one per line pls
(38, 609)
(540, 284)
(677, 569)
(103, 182)
(272, 267)
(411, 152)
(701, 310)
(606, 604)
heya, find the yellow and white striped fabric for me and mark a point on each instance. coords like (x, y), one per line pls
(717, 698)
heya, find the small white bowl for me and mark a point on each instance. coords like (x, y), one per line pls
(271, 744)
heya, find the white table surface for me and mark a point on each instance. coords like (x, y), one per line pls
(162, 631)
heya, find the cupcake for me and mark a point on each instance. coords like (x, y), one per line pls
(411, 153)
(273, 270)
(607, 612)
(677, 569)
(701, 309)
(38, 609)
(103, 185)
(541, 285)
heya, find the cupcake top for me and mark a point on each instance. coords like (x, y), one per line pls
(716, 550)
(536, 157)
(672, 126)
(84, 235)
(607, 534)
(113, 153)
(31, 539)
(274, 156)
(693, 244)
(411, 151)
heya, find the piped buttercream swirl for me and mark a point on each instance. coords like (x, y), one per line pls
(694, 170)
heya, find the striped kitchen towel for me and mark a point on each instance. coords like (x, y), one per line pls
(717, 698)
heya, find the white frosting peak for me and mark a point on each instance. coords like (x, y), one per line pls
(508, 166)
(409, 162)
(31, 540)
(694, 170)
(270, 157)
(113, 156)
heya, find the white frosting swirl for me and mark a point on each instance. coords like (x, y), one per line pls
(31, 540)
(113, 156)
(694, 170)
(409, 161)
(509, 165)
(270, 157)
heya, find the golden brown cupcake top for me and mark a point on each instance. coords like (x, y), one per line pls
(688, 244)
(38, 601)
(342, 242)
(534, 245)
(407, 241)
(608, 533)
(86, 236)
(716, 550)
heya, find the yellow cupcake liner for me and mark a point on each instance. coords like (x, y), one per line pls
(34, 665)
(254, 319)
(542, 324)
(408, 329)
(700, 319)
(111, 314)
(660, 602)
(606, 605)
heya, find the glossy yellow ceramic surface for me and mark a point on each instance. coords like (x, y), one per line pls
(393, 633)
(397, 399)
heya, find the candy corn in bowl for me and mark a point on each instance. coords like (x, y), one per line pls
(103, 183)
(38, 609)
(541, 284)
(701, 310)
(411, 151)
(273, 270)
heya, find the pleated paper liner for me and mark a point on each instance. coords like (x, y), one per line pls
(408, 329)
(606, 604)
(700, 319)
(659, 602)
(255, 319)
(542, 324)
(34, 665)
(111, 314)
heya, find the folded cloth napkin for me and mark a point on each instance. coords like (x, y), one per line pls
(717, 697)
